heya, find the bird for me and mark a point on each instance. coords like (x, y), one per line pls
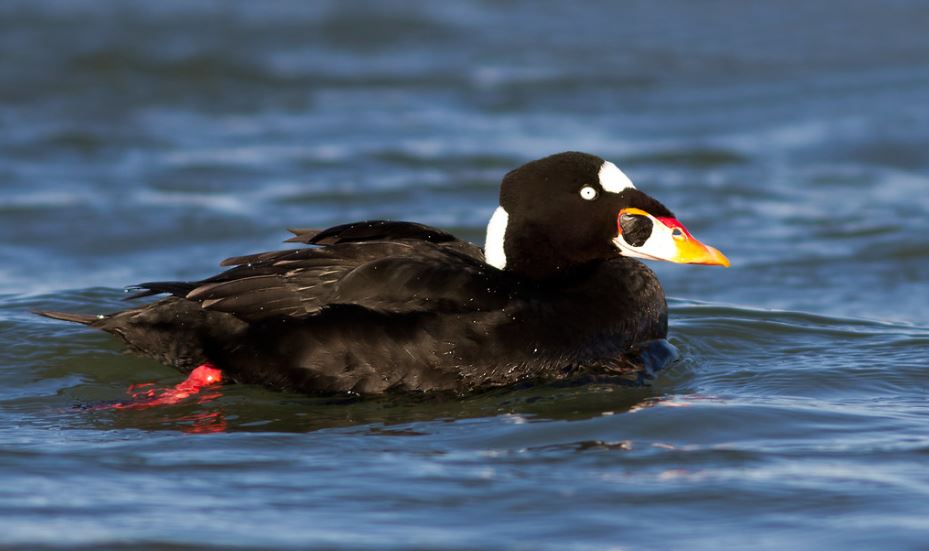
(558, 293)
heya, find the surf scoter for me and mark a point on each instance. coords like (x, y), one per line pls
(380, 306)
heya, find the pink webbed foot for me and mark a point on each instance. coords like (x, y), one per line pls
(146, 395)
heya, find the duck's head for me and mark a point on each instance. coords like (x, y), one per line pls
(572, 208)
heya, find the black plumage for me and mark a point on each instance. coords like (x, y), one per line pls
(381, 306)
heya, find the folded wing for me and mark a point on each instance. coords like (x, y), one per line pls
(388, 267)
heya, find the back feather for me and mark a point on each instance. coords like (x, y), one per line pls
(380, 265)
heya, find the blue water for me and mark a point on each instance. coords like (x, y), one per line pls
(148, 140)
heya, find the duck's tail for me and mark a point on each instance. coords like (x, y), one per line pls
(83, 319)
(173, 331)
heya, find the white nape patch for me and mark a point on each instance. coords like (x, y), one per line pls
(496, 233)
(613, 179)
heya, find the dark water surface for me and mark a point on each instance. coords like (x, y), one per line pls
(147, 140)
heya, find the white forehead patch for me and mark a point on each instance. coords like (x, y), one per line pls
(612, 178)
(496, 234)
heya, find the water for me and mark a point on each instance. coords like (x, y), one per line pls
(147, 140)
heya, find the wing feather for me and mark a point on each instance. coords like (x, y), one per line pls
(389, 267)
(371, 230)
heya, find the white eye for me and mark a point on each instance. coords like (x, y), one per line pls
(588, 193)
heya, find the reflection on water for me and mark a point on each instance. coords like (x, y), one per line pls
(243, 408)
